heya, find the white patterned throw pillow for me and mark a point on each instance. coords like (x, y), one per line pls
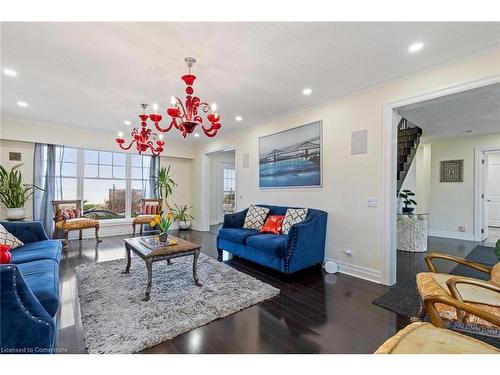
(8, 239)
(293, 216)
(256, 216)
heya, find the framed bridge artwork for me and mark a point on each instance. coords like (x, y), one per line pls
(291, 158)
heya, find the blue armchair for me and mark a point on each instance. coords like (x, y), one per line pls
(303, 247)
(29, 287)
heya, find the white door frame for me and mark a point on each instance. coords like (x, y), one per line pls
(220, 188)
(205, 176)
(389, 155)
(478, 188)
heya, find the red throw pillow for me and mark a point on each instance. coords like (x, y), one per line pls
(273, 224)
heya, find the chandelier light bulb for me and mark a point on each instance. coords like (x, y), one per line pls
(120, 134)
(213, 107)
(172, 100)
(160, 136)
(155, 108)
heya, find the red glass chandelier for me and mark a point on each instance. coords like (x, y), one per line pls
(185, 116)
(143, 137)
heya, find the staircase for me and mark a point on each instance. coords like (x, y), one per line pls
(408, 141)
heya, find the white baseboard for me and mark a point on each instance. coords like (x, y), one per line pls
(108, 230)
(494, 223)
(358, 271)
(451, 234)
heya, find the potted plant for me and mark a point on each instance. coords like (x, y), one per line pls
(497, 249)
(408, 201)
(164, 183)
(162, 223)
(13, 193)
(182, 215)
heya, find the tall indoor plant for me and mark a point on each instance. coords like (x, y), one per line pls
(13, 193)
(164, 183)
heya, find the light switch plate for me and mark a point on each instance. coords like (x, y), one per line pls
(372, 202)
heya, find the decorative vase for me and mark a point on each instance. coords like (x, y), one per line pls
(184, 225)
(163, 237)
(408, 210)
(15, 213)
(5, 255)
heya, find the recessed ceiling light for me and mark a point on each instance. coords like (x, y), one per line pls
(415, 47)
(196, 135)
(127, 122)
(307, 91)
(238, 118)
(10, 72)
(20, 103)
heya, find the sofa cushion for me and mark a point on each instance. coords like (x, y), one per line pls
(237, 235)
(42, 277)
(273, 224)
(256, 216)
(269, 243)
(7, 238)
(29, 252)
(293, 216)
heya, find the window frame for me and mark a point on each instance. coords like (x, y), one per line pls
(80, 179)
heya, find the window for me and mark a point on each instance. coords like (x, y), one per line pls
(111, 184)
(104, 186)
(228, 189)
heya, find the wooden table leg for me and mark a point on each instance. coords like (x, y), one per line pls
(149, 267)
(196, 255)
(127, 250)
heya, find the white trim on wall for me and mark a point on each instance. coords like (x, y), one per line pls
(451, 234)
(358, 271)
(389, 135)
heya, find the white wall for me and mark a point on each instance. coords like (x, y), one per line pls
(26, 149)
(451, 204)
(215, 181)
(348, 180)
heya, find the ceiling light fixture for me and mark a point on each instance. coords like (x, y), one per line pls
(238, 118)
(307, 91)
(196, 135)
(20, 103)
(143, 137)
(10, 72)
(415, 47)
(127, 122)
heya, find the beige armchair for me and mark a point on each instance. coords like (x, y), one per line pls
(149, 208)
(68, 217)
(457, 292)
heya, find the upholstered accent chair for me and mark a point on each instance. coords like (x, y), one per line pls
(425, 338)
(449, 298)
(68, 216)
(149, 208)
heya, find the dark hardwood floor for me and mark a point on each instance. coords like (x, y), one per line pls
(314, 313)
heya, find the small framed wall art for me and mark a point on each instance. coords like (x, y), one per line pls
(452, 171)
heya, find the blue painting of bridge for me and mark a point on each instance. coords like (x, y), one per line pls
(291, 158)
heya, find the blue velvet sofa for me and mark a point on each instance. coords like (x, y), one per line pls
(29, 291)
(303, 247)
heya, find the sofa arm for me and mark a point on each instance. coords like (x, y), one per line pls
(305, 245)
(26, 231)
(235, 220)
(25, 325)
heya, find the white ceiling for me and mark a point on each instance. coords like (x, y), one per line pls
(455, 115)
(94, 75)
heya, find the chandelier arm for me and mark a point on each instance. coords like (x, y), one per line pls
(179, 103)
(205, 107)
(159, 128)
(127, 147)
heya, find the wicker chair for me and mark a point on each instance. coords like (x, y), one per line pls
(149, 208)
(68, 216)
(456, 292)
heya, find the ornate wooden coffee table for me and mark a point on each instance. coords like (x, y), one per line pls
(181, 249)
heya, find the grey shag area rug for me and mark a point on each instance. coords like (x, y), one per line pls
(116, 320)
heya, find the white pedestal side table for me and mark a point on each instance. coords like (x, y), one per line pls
(412, 232)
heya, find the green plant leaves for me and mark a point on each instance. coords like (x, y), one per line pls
(13, 193)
